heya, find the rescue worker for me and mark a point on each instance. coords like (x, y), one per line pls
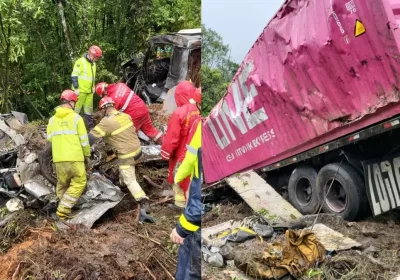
(187, 232)
(128, 102)
(174, 145)
(118, 131)
(83, 81)
(71, 150)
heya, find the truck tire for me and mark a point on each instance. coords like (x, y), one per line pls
(47, 168)
(347, 196)
(303, 193)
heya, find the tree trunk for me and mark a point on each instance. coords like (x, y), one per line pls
(5, 103)
(65, 28)
(85, 21)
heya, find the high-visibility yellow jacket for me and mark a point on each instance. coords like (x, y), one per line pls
(190, 219)
(189, 165)
(67, 133)
(83, 75)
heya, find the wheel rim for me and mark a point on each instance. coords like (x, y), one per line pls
(337, 196)
(303, 191)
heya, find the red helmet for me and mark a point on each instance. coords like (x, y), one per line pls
(69, 95)
(106, 102)
(95, 51)
(100, 88)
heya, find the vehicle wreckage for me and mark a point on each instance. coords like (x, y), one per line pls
(169, 59)
(28, 179)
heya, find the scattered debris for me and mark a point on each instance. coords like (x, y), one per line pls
(333, 240)
(14, 204)
(263, 199)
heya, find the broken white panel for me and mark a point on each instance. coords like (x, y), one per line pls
(142, 136)
(151, 153)
(333, 240)
(207, 233)
(263, 199)
(17, 138)
(88, 216)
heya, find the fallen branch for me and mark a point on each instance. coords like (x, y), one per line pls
(151, 182)
(16, 271)
(148, 270)
(7, 219)
(137, 215)
(166, 270)
(163, 201)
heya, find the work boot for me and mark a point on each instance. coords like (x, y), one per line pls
(176, 208)
(145, 204)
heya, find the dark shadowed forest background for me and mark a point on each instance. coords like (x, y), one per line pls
(40, 40)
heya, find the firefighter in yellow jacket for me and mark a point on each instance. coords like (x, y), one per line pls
(119, 132)
(83, 81)
(70, 148)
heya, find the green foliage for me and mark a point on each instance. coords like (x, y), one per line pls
(217, 69)
(35, 62)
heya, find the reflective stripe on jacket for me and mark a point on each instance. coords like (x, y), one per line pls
(118, 130)
(189, 164)
(85, 71)
(190, 220)
(67, 133)
(127, 101)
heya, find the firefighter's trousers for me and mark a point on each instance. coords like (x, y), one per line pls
(71, 182)
(128, 176)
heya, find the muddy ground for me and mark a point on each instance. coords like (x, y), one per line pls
(379, 257)
(115, 248)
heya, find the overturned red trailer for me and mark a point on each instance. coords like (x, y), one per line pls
(318, 91)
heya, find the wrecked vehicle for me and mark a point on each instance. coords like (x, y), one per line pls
(314, 108)
(169, 59)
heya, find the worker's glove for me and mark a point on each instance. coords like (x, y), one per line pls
(144, 218)
(76, 92)
(88, 162)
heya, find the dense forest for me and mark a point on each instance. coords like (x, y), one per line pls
(217, 68)
(40, 40)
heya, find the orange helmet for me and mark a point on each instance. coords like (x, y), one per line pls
(106, 102)
(100, 88)
(68, 95)
(95, 51)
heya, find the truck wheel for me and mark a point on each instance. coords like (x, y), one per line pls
(347, 196)
(302, 189)
(47, 167)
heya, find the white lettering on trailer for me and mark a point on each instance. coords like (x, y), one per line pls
(263, 138)
(241, 115)
(375, 205)
(396, 167)
(387, 167)
(338, 22)
(383, 199)
(351, 6)
(383, 182)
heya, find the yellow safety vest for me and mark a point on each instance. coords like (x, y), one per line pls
(67, 133)
(189, 164)
(86, 73)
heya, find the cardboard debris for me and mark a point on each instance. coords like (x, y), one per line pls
(263, 199)
(333, 240)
